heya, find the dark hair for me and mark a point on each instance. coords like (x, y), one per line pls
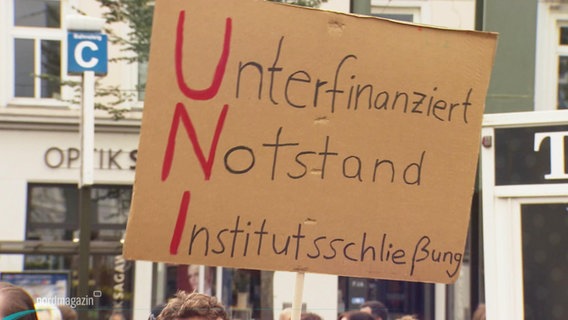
(378, 309)
(14, 300)
(187, 305)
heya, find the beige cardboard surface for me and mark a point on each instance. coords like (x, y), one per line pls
(284, 138)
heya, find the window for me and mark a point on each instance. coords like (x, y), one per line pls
(544, 259)
(53, 212)
(551, 76)
(37, 13)
(396, 16)
(53, 215)
(562, 102)
(37, 36)
(408, 11)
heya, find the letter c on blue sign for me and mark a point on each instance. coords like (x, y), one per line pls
(78, 54)
(86, 51)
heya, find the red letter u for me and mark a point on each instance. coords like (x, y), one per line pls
(210, 92)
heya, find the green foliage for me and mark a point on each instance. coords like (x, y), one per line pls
(137, 14)
(114, 95)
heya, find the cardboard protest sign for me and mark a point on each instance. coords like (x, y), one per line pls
(284, 138)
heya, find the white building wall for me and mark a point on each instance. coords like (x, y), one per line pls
(458, 14)
(13, 213)
(455, 14)
(336, 5)
(26, 151)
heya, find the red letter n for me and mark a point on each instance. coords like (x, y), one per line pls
(180, 114)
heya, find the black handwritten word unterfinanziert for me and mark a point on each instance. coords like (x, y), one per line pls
(340, 90)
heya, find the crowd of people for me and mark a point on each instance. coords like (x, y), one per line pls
(16, 303)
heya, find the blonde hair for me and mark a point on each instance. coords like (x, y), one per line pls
(187, 305)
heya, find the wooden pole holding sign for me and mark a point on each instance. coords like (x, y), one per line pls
(298, 296)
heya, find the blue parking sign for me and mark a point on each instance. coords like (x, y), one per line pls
(87, 51)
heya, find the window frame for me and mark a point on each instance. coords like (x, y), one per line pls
(548, 51)
(419, 10)
(72, 223)
(37, 34)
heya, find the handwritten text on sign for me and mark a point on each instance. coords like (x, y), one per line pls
(283, 138)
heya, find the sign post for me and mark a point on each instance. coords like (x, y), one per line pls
(298, 295)
(86, 56)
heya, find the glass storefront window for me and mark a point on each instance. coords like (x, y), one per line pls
(53, 212)
(53, 215)
(400, 297)
(545, 258)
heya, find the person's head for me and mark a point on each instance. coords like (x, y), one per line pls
(193, 306)
(285, 314)
(68, 313)
(116, 315)
(376, 308)
(310, 316)
(193, 271)
(408, 317)
(193, 276)
(357, 315)
(14, 300)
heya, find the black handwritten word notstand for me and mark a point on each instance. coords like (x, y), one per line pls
(298, 293)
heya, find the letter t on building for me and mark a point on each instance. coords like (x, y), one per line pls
(557, 151)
